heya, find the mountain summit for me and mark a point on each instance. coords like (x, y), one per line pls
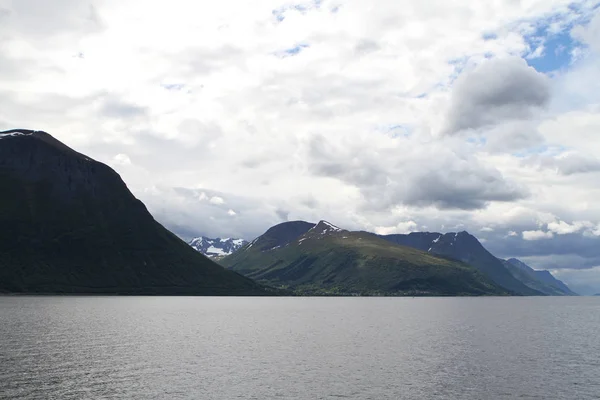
(466, 248)
(216, 247)
(70, 225)
(323, 259)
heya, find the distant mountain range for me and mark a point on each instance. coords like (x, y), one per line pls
(464, 247)
(70, 225)
(322, 258)
(216, 248)
(511, 274)
(542, 281)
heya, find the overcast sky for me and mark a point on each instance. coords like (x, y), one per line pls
(391, 116)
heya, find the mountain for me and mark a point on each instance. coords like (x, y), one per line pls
(324, 259)
(466, 248)
(70, 225)
(218, 247)
(542, 281)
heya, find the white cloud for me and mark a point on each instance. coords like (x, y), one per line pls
(216, 200)
(537, 235)
(564, 228)
(122, 159)
(402, 227)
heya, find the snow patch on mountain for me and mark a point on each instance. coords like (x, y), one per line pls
(323, 228)
(216, 247)
(6, 134)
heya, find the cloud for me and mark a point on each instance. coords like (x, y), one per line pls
(590, 33)
(566, 163)
(498, 90)
(537, 235)
(216, 200)
(434, 176)
(402, 228)
(122, 159)
(114, 107)
(564, 228)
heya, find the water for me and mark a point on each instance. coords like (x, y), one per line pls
(299, 348)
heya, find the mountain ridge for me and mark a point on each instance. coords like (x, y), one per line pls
(218, 247)
(72, 226)
(324, 259)
(464, 247)
(541, 280)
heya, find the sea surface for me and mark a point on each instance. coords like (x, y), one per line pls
(299, 348)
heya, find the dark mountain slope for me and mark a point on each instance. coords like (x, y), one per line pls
(323, 259)
(70, 225)
(466, 248)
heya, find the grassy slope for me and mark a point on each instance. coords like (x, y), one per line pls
(466, 248)
(358, 263)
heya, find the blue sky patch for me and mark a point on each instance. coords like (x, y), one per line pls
(551, 45)
(489, 36)
(279, 13)
(550, 52)
(543, 149)
(292, 51)
(173, 86)
(396, 130)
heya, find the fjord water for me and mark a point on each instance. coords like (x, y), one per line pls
(299, 348)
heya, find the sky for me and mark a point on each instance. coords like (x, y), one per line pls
(228, 117)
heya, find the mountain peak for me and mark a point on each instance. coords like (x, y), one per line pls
(329, 260)
(218, 247)
(323, 228)
(16, 132)
(464, 247)
(327, 225)
(72, 226)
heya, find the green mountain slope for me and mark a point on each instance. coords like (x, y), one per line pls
(70, 225)
(466, 248)
(322, 259)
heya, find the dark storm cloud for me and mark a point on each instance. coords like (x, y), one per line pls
(439, 178)
(570, 251)
(569, 164)
(497, 91)
(284, 215)
(460, 187)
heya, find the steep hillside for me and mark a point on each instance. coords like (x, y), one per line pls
(466, 248)
(538, 280)
(70, 225)
(324, 259)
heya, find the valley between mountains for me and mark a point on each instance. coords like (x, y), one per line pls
(71, 226)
